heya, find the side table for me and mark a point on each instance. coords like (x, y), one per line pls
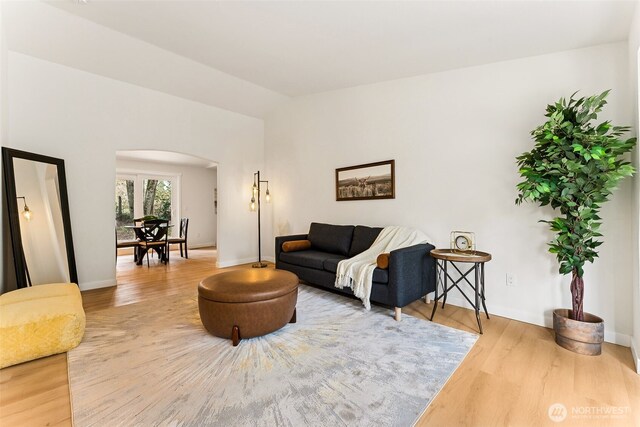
(450, 256)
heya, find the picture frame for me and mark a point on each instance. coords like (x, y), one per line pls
(369, 181)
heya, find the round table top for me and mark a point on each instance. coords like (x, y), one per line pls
(461, 256)
(248, 285)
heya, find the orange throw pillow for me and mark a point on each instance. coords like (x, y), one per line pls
(383, 261)
(296, 245)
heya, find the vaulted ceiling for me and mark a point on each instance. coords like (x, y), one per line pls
(301, 47)
(261, 52)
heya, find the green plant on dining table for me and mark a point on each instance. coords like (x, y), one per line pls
(574, 166)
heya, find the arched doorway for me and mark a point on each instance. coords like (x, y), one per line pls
(169, 185)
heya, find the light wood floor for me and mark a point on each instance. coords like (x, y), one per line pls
(511, 376)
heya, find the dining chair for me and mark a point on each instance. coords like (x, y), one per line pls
(182, 240)
(127, 244)
(156, 233)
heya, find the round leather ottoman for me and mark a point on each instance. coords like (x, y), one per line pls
(247, 303)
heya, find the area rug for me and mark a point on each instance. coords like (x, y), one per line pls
(153, 363)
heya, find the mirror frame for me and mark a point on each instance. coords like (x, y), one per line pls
(8, 154)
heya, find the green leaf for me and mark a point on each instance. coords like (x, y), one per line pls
(574, 166)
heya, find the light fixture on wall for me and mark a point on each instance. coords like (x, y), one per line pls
(255, 202)
(26, 212)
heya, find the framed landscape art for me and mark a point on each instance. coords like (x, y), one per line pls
(366, 182)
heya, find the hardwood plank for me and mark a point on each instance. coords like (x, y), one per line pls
(516, 371)
(35, 393)
(511, 376)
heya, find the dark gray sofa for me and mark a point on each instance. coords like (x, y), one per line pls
(410, 276)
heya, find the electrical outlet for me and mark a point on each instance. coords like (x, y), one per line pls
(511, 279)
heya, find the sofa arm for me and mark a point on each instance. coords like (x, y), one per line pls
(412, 273)
(281, 239)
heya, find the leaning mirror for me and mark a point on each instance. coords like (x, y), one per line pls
(38, 212)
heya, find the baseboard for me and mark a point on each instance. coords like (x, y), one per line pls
(234, 262)
(636, 355)
(617, 338)
(86, 286)
(536, 319)
(196, 246)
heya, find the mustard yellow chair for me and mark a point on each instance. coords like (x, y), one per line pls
(40, 321)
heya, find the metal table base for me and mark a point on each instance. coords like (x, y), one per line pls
(477, 286)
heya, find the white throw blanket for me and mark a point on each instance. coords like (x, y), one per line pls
(357, 272)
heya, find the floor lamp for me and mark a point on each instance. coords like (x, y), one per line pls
(255, 197)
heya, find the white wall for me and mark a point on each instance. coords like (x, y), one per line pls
(84, 119)
(454, 137)
(196, 194)
(5, 249)
(634, 77)
(38, 29)
(3, 75)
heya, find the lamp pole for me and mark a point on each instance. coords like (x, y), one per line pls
(27, 215)
(256, 194)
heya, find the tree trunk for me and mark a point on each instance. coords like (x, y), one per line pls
(150, 196)
(130, 196)
(577, 296)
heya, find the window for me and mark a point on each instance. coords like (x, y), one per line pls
(140, 194)
(125, 212)
(157, 198)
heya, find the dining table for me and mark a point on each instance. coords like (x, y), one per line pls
(139, 231)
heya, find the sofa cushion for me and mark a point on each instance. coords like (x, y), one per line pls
(331, 265)
(335, 239)
(379, 275)
(363, 238)
(309, 258)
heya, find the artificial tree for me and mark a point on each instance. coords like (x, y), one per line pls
(574, 166)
